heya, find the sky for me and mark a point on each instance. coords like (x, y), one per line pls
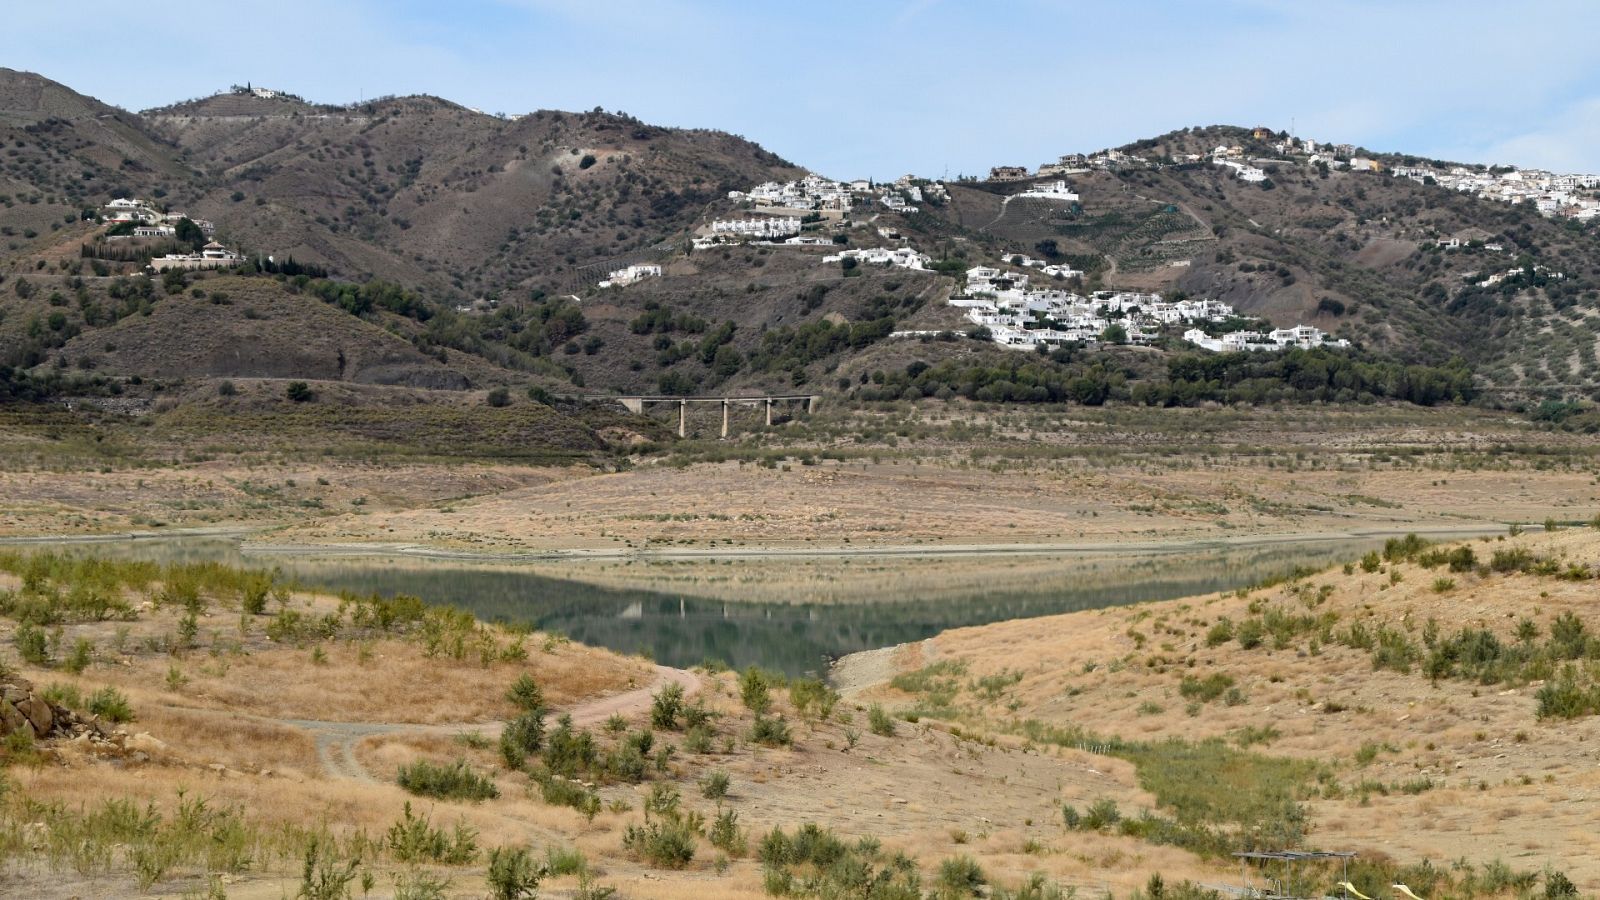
(882, 88)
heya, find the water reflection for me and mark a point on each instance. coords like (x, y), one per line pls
(771, 630)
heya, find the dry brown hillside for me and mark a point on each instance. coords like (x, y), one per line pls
(1431, 703)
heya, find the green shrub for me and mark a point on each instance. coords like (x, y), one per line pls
(1220, 633)
(666, 839)
(564, 861)
(559, 791)
(413, 839)
(299, 392)
(455, 781)
(771, 732)
(667, 706)
(526, 695)
(960, 876)
(110, 704)
(726, 835)
(698, 739)
(755, 690)
(520, 737)
(81, 656)
(715, 785)
(32, 645)
(879, 722)
(1205, 689)
(812, 695)
(324, 875)
(513, 875)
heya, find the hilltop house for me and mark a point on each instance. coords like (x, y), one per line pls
(1051, 190)
(212, 256)
(1008, 173)
(631, 274)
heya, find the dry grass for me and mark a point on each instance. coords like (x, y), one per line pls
(1505, 782)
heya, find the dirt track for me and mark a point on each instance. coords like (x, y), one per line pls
(336, 741)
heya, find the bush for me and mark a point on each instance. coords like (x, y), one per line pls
(558, 791)
(520, 737)
(726, 835)
(667, 837)
(455, 781)
(526, 695)
(960, 876)
(513, 875)
(698, 739)
(498, 397)
(1205, 689)
(755, 690)
(299, 392)
(715, 785)
(667, 706)
(1558, 885)
(878, 721)
(771, 732)
(415, 840)
(32, 645)
(110, 704)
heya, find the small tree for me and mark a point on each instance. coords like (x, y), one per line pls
(498, 397)
(299, 392)
(526, 695)
(513, 875)
(667, 706)
(755, 690)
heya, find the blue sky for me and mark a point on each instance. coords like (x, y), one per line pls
(884, 87)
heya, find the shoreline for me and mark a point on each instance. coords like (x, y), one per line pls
(834, 551)
(1087, 548)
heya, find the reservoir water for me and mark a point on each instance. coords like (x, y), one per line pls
(789, 615)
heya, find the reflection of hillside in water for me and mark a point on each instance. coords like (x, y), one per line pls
(770, 629)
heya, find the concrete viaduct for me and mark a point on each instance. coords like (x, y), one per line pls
(637, 404)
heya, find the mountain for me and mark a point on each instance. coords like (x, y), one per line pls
(1355, 253)
(425, 244)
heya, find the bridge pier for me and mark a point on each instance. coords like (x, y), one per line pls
(769, 412)
(724, 419)
(683, 415)
(634, 405)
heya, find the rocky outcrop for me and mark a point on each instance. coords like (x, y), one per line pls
(24, 709)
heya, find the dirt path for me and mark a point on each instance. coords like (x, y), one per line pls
(336, 741)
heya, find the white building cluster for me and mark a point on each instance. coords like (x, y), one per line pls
(1019, 316)
(904, 257)
(1023, 317)
(810, 192)
(631, 274)
(148, 221)
(1305, 337)
(759, 228)
(814, 192)
(1572, 196)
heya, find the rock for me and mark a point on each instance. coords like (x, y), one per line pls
(10, 719)
(38, 712)
(143, 742)
(13, 693)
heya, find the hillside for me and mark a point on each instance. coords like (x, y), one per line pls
(1420, 704)
(414, 189)
(498, 230)
(1351, 252)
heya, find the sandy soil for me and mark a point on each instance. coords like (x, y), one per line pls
(728, 508)
(1506, 784)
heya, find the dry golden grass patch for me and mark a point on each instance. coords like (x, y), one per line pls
(1500, 781)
